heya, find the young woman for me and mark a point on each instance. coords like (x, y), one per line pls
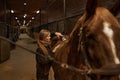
(43, 64)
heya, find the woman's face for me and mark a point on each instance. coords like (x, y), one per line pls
(47, 38)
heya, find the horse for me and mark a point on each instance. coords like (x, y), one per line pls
(56, 41)
(93, 44)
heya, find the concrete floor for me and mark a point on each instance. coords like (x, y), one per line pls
(21, 65)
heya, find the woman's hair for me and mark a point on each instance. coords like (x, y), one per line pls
(43, 33)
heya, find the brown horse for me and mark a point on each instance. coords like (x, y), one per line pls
(93, 44)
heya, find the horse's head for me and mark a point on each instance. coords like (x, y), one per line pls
(94, 42)
(99, 36)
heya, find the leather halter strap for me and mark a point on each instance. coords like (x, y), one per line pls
(81, 47)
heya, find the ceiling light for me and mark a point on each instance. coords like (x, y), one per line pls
(27, 24)
(33, 17)
(23, 25)
(24, 22)
(25, 15)
(25, 4)
(12, 11)
(18, 21)
(38, 11)
(16, 18)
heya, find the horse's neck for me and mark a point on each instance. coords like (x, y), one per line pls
(74, 42)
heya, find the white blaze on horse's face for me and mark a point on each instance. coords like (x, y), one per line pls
(109, 33)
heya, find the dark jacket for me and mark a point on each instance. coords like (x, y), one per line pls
(43, 64)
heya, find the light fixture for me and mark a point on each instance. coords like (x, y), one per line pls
(16, 18)
(25, 3)
(38, 11)
(18, 21)
(30, 21)
(27, 24)
(33, 17)
(12, 11)
(25, 15)
(24, 22)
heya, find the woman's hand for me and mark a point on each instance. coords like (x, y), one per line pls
(58, 34)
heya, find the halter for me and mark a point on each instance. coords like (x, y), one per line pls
(81, 47)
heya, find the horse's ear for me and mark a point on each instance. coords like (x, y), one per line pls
(91, 6)
(115, 10)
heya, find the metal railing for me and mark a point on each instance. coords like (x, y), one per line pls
(103, 71)
(58, 25)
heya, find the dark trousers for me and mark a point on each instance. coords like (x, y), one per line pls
(41, 76)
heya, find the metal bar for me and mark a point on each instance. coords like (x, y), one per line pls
(5, 11)
(115, 69)
(62, 19)
(64, 6)
(40, 16)
(47, 10)
(17, 44)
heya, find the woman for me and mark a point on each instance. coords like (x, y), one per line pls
(43, 64)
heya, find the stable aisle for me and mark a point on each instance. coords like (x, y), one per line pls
(21, 65)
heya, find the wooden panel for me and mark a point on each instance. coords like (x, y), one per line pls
(4, 51)
(3, 30)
